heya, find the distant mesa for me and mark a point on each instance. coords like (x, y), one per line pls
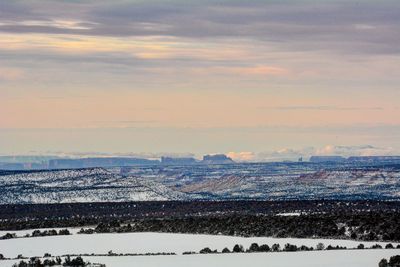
(56, 162)
(217, 159)
(319, 159)
(373, 158)
(98, 162)
(126, 162)
(355, 159)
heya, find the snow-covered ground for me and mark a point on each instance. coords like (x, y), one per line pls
(83, 185)
(145, 243)
(343, 258)
(264, 181)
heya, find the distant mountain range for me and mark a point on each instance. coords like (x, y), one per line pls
(53, 163)
(261, 181)
(366, 159)
(43, 163)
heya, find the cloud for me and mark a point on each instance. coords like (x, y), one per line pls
(364, 27)
(130, 50)
(322, 108)
(367, 28)
(346, 151)
(86, 154)
(328, 150)
(54, 23)
(241, 156)
(284, 154)
(257, 70)
(123, 123)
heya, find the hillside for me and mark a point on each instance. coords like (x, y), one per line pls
(261, 181)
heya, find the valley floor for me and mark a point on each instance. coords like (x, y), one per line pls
(342, 258)
(179, 243)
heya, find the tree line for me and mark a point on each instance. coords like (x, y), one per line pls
(368, 226)
(255, 247)
(68, 262)
(31, 216)
(37, 233)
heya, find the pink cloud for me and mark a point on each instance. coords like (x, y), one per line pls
(258, 70)
(241, 156)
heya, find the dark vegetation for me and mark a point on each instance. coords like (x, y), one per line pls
(75, 213)
(277, 248)
(364, 220)
(369, 226)
(393, 262)
(49, 260)
(37, 262)
(37, 233)
(258, 248)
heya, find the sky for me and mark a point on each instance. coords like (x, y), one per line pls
(255, 79)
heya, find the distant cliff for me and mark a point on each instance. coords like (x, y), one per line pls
(217, 159)
(318, 159)
(356, 159)
(374, 159)
(98, 162)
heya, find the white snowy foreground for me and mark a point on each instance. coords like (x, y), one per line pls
(144, 243)
(339, 258)
(178, 243)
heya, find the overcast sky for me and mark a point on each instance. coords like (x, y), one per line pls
(199, 76)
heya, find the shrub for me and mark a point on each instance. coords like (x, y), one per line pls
(205, 251)
(394, 261)
(290, 247)
(376, 246)
(383, 263)
(276, 247)
(254, 247)
(320, 246)
(238, 248)
(264, 248)
(389, 246)
(64, 232)
(226, 250)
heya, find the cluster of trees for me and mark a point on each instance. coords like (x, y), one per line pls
(254, 247)
(393, 262)
(30, 216)
(36, 262)
(358, 220)
(330, 247)
(37, 233)
(51, 261)
(52, 232)
(112, 227)
(8, 236)
(368, 226)
(111, 253)
(377, 246)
